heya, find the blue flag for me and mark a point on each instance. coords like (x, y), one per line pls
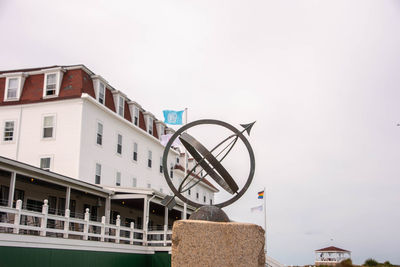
(173, 117)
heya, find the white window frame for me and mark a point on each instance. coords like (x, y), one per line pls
(161, 131)
(118, 144)
(161, 170)
(121, 108)
(98, 133)
(135, 150)
(51, 157)
(57, 84)
(97, 174)
(118, 178)
(17, 89)
(99, 93)
(13, 131)
(149, 159)
(54, 126)
(136, 116)
(150, 129)
(171, 170)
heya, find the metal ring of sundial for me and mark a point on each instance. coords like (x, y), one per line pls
(213, 168)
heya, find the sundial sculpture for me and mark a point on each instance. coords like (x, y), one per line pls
(212, 165)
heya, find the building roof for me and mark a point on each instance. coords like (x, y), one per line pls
(332, 249)
(76, 87)
(28, 69)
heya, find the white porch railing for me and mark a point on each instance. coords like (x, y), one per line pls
(21, 221)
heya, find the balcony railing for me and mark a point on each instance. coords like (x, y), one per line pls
(21, 221)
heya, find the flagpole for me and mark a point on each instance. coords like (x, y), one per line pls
(186, 162)
(265, 219)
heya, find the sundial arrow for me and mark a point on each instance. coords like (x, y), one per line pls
(247, 127)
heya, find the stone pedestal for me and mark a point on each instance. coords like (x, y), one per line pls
(212, 244)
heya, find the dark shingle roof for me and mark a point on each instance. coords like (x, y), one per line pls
(331, 249)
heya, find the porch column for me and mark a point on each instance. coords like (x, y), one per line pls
(145, 220)
(145, 212)
(166, 216)
(67, 197)
(184, 211)
(107, 209)
(12, 189)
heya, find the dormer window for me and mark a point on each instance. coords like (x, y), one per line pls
(150, 125)
(102, 93)
(161, 132)
(136, 117)
(121, 106)
(52, 82)
(12, 88)
(14, 85)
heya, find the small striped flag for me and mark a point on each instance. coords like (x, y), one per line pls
(261, 195)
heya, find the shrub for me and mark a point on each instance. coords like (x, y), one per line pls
(346, 263)
(371, 262)
(387, 263)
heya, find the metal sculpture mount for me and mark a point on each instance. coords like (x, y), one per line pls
(212, 166)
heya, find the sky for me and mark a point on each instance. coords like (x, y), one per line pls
(321, 78)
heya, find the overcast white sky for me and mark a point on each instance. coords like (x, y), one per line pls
(320, 77)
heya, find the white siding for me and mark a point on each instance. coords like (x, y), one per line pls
(29, 145)
(107, 156)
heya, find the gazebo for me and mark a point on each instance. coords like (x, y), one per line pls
(331, 255)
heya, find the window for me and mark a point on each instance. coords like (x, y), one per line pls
(150, 125)
(204, 199)
(148, 185)
(102, 92)
(48, 126)
(12, 88)
(149, 159)
(171, 171)
(210, 201)
(121, 106)
(197, 195)
(177, 160)
(99, 139)
(119, 144)
(135, 151)
(136, 117)
(161, 190)
(98, 174)
(134, 182)
(45, 163)
(189, 192)
(8, 131)
(118, 179)
(161, 130)
(161, 166)
(51, 84)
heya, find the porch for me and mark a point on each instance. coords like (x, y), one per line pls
(35, 202)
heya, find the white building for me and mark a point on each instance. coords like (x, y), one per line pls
(331, 256)
(71, 122)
